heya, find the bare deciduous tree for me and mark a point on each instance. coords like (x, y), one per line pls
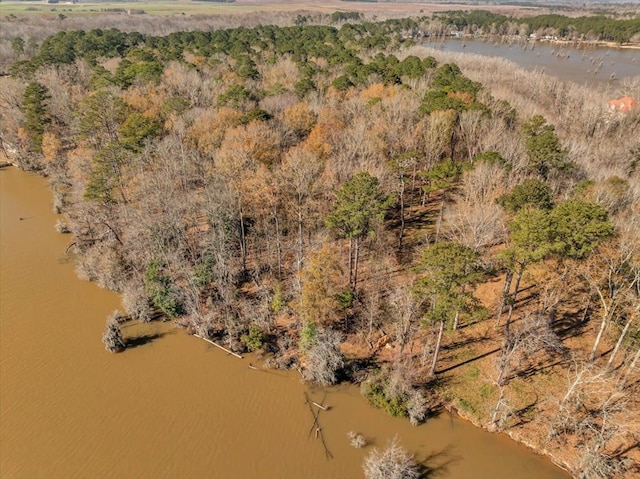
(522, 343)
(324, 359)
(393, 462)
(136, 301)
(417, 407)
(405, 308)
(596, 411)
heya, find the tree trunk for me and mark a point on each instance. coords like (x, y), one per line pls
(603, 325)
(355, 263)
(300, 239)
(432, 371)
(413, 183)
(631, 367)
(514, 296)
(585, 315)
(243, 240)
(452, 141)
(350, 260)
(457, 316)
(120, 185)
(504, 361)
(444, 193)
(402, 185)
(494, 417)
(615, 350)
(505, 292)
(278, 242)
(455, 320)
(370, 331)
(300, 252)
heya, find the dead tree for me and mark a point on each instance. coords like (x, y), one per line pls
(112, 337)
(393, 462)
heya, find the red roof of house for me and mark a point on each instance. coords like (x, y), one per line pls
(623, 104)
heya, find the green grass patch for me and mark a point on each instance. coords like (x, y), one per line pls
(486, 391)
(473, 373)
(468, 406)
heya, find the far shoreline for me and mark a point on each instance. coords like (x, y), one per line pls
(510, 40)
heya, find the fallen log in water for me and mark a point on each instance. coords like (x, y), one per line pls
(324, 408)
(218, 346)
(316, 425)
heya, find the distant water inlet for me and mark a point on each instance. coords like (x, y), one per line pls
(174, 406)
(578, 63)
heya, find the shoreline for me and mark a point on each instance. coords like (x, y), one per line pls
(579, 44)
(448, 408)
(511, 40)
(512, 434)
(328, 420)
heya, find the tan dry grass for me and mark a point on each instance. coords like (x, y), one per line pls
(398, 9)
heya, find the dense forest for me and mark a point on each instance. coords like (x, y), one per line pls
(361, 209)
(590, 27)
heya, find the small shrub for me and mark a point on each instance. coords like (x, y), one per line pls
(379, 395)
(356, 439)
(308, 336)
(62, 227)
(136, 302)
(162, 291)
(203, 272)
(112, 337)
(278, 303)
(255, 339)
(417, 408)
(117, 317)
(58, 202)
(345, 299)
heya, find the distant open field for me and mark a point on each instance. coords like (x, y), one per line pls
(246, 6)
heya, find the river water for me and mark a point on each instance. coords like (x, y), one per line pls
(174, 407)
(583, 65)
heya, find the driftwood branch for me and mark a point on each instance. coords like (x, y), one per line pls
(316, 425)
(324, 408)
(218, 346)
(112, 231)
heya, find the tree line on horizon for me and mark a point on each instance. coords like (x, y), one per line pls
(588, 27)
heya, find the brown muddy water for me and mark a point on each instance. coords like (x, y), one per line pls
(578, 64)
(174, 407)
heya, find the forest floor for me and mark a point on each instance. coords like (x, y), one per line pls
(467, 367)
